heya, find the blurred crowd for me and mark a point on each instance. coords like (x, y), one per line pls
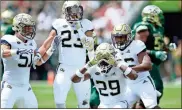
(99, 12)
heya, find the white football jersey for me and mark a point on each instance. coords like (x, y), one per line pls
(129, 55)
(71, 51)
(17, 67)
(111, 86)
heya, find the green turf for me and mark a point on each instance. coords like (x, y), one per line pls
(44, 94)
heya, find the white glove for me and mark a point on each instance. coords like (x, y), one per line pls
(37, 57)
(88, 43)
(91, 63)
(172, 46)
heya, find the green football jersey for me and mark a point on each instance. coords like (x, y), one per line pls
(155, 40)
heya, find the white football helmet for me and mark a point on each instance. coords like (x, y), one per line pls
(25, 25)
(121, 36)
(72, 10)
(105, 55)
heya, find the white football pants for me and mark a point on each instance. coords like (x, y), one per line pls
(144, 90)
(62, 84)
(22, 97)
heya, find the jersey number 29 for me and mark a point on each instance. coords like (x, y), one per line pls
(111, 83)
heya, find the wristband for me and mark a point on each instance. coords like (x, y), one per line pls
(40, 57)
(42, 60)
(79, 74)
(127, 71)
(88, 65)
(152, 52)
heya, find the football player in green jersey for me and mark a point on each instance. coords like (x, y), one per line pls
(6, 28)
(7, 20)
(151, 31)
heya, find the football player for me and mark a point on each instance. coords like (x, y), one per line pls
(73, 35)
(7, 19)
(151, 32)
(108, 77)
(18, 53)
(133, 52)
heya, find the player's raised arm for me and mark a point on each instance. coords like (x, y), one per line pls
(48, 46)
(47, 43)
(83, 74)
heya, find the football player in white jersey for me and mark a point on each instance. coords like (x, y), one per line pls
(133, 52)
(18, 53)
(108, 76)
(73, 35)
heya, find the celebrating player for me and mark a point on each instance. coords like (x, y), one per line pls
(108, 77)
(73, 36)
(18, 54)
(133, 52)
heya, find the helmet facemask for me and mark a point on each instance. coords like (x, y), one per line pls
(121, 41)
(73, 13)
(28, 32)
(104, 66)
(151, 18)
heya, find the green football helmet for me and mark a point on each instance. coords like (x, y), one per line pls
(153, 14)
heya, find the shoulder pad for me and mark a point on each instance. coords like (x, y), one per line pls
(8, 38)
(58, 22)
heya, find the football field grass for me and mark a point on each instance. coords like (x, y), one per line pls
(44, 93)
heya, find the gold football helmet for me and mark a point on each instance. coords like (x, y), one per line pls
(25, 25)
(105, 55)
(121, 36)
(72, 10)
